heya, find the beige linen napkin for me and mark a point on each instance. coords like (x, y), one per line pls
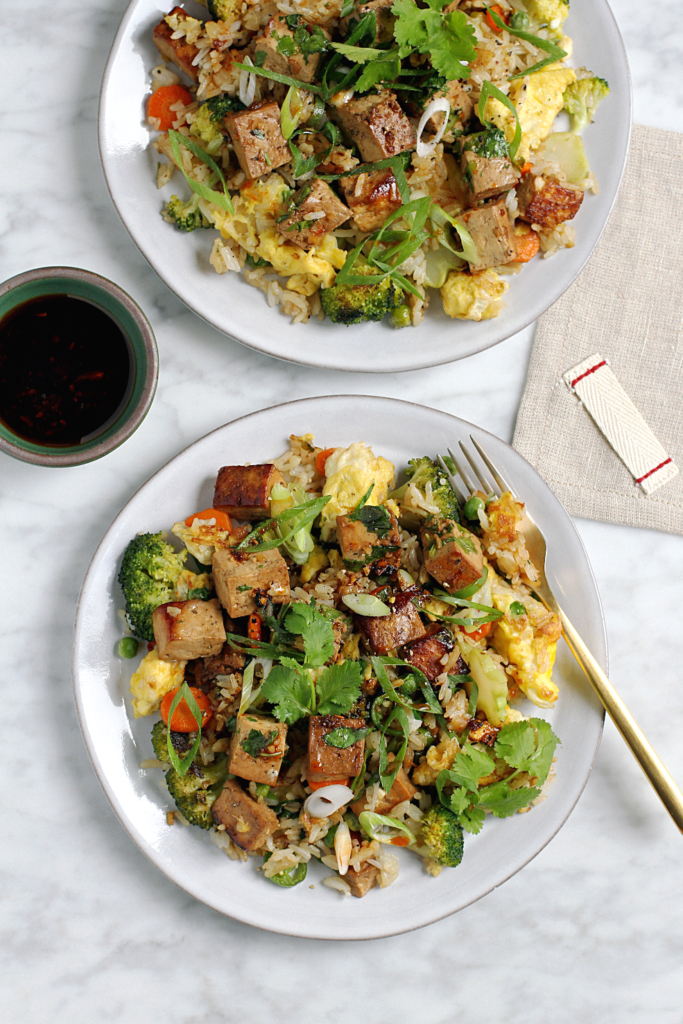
(627, 304)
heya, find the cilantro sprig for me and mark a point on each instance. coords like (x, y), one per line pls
(447, 38)
(525, 746)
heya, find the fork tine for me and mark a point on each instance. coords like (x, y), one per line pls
(485, 483)
(464, 475)
(452, 481)
(495, 473)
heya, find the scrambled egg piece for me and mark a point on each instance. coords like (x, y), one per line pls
(152, 681)
(349, 473)
(440, 756)
(188, 581)
(202, 539)
(473, 296)
(254, 227)
(538, 99)
(527, 641)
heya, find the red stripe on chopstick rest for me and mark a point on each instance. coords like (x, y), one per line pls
(586, 374)
(620, 423)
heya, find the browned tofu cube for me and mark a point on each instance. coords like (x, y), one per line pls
(492, 233)
(237, 576)
(453, 555)
(402, 789)
(244, 491)
(326, 762)
(427, 654)
(283, 54)
(361, 546)
(310, 213)
(247, 822)
(363, 880)
(178, 51)
(185, 630)
(377, 125)
(259, 144)
(461, 106)
(257, 748)
(483, 732)
(371, 196)
(385, 633)
(545, 202)
(486, 165)
(382, 11)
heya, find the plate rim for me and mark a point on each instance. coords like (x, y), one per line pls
(322, 363)
(151, 853)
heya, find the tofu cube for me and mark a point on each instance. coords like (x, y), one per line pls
(237, 576)
(545, 202)
(259, 144)
(402, 789)
(283, 54)
(249, 758)
(185, 630)
(363, 880)
(461, 105)
(493, 234)
(311, 213)
(377, 124)
(244, 491)
(325, 762)
(178, 51)
(486, 165)
(383, 14)
(453, 555)
(371, 197)
(427, 653)
(385, 633)
(247, 822)
(361, 546)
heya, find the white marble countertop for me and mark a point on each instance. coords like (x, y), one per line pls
(591, 930)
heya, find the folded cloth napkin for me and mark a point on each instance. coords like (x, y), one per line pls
(627, 305)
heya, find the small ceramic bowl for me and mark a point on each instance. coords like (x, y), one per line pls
(83, 284)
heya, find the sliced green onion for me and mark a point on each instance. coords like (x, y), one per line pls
(383, 828)
(290, 877)
(554, 52)
(489, 89)
(288, 118)
(366, 604)
(440, 219)
(304, 514)
(221, 199)
(182, 765)
(473, 587)
(277, 77)
(247, 685)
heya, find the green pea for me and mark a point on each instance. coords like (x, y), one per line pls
(401, 317)
(262, 790)
(128, 647)
(472, 506)
(408, 687)
(520, 21)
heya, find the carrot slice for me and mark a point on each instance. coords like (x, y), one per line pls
(501, 14)
(183, 719)
(332, 782)
(320, 460)
(528, 245)
(222, 518)
(161, 101)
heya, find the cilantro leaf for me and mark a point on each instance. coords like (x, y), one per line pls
(343, 737)
(358, 54)
(256, 742)
(472, 819)
(528, 746)
(338, 688)
(503, 801)
(375, 518)
(386, 69)
(317, 632)
(448, 38)
(288, 688)
(470, 765)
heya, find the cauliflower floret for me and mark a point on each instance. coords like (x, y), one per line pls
(202, 539)
(552, 13)
(473, 296)
(152, 681)
(538, 99)
(349, 473)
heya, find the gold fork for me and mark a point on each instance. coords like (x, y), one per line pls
(662, 783)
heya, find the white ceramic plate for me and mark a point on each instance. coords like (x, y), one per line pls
(239, 310)
(117, 743)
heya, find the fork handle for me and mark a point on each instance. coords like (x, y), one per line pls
(659, 778)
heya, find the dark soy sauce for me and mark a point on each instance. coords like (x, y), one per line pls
(65, 370)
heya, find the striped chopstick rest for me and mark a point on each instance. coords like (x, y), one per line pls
(620, 422)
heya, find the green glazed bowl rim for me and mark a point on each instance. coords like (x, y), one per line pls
(144, 353)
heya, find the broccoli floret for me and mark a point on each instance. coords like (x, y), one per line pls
(549, 12)
(207, 124)
(352, 304)
(442, 834)
(149, 572)
(581, 98)
(186, 216)
(180, 741)
(423, 471)
(192, 797)
(222, 10)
